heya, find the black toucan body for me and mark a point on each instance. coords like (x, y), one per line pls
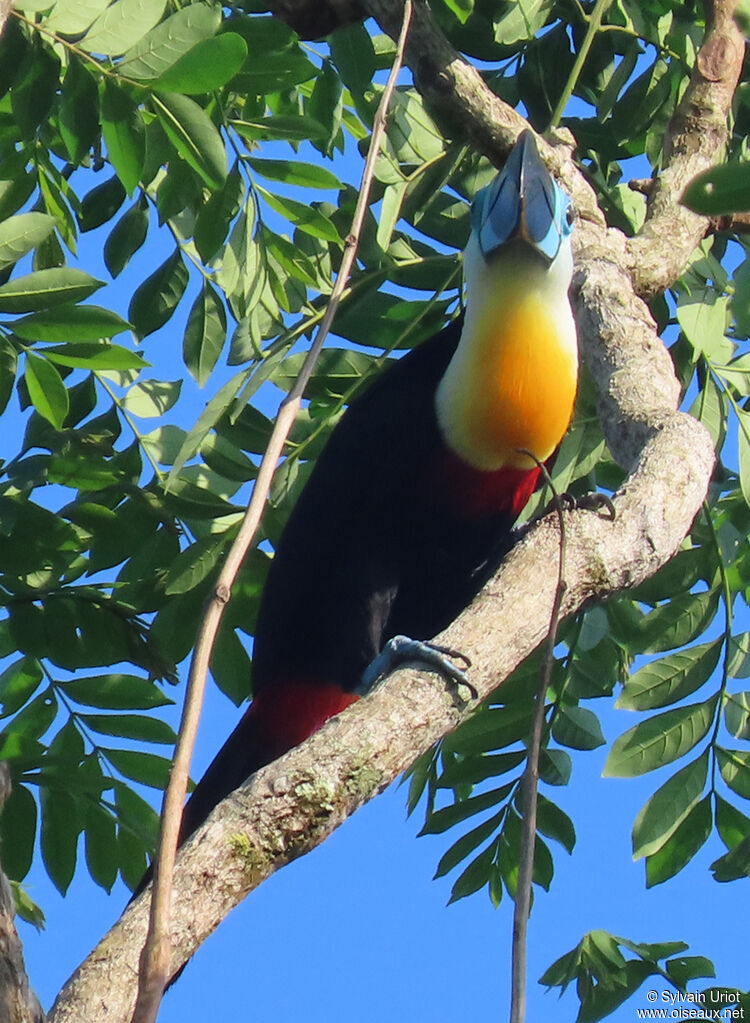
(411, 505)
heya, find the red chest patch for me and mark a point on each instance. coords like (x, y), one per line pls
(472, 493)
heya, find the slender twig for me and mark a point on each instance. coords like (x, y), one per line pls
(530, 781)
(593, 27)
(156, 954)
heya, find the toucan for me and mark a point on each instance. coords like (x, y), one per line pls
(412, 503)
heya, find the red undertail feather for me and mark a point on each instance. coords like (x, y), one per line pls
(288, 712)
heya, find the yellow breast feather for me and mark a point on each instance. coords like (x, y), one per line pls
(511, 384)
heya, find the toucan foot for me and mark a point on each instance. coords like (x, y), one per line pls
(593, 501)
(401, 649)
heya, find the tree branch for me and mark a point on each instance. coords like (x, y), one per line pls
(18, 1003)
(695, 140)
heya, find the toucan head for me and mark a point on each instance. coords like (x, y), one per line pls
(523, 202)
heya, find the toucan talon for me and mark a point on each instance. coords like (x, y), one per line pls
(401, 649)
(593, 501)
(451, 653)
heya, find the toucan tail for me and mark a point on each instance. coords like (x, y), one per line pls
(280, 717)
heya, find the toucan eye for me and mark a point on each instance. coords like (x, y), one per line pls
(569, 216)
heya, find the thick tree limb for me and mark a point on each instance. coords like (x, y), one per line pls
(695, 140)
(18, 1003)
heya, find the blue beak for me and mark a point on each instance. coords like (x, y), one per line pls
(523, 202)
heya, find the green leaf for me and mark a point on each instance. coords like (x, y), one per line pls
(231, 667)
(335, 372)
(70, 323)
(671, 678)
(734, 864)
(390, 212)
(18, 824)
(491, 729)
(281, 127)
(126, 237)
(733, 826)
(18, 683)
(121, 25)
(743, 443)
(307, 218)
(722, 189)
(216, 215)
(294, 172)
(209, 65)
(467, 844)
(205, 334)
(146, 768)
(476, 875)
(275, 72)
(446, 817)
(101, 203)
(735, 770)
(34, 90)
(703, 315)
(555, 766)
(59, 836)
(462, 9)
(71, 17)
(152, 397)
(681, 846)
(662, 814)
(325, 105)
(123, 132)
(577, 727)
(193, 564)
(155, 300)
(711, 407)
(21, 234)
(688, 968)
(79, 110)
(472, 770)
(102, 858)
(95, 356)
(659, 740)
(678, 622)
(522, 21)
(8, 369)
(169, 41)
(131, 726)
(206, 421)
(737, 714)
(136, 816)
(194, 135)
(227, 460)
(353, 54)
(46, 390)
(555, 823)
(81, 473)
(116, 692)
(44, 289)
